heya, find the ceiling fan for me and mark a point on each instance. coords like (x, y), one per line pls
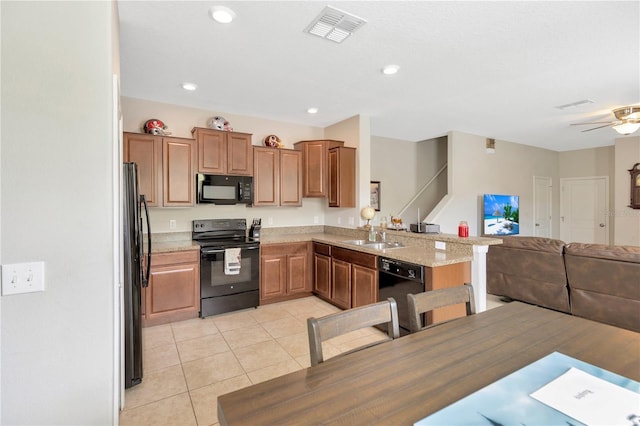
(627, 120)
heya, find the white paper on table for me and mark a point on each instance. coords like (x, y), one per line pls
(589, 399)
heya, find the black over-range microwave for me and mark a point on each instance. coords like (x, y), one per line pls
(223, 189)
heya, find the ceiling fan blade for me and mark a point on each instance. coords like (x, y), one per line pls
(593, 122)
(599, 127)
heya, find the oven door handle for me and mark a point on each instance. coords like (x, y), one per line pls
(204, 251)
(212, 251)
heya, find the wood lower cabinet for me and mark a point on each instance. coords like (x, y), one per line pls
(223, 153)
(354, 278)
(285, 271)
(166, 168)
(173, 293)
(277, 177)
(342, 177)
(322, 270)
(315, 166)
(341, 283)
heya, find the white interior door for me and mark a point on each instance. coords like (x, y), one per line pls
(584, 203)
(542, 200)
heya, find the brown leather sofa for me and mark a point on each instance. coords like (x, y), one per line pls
(594, 281)
(605, 283)
(529, 269)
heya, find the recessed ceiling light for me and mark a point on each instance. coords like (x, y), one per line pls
(222, 14)
(390, 69)
(189, 86)
(312, 110)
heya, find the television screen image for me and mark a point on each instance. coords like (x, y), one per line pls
(501, 214)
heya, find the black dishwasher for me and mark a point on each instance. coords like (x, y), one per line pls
(397, 279)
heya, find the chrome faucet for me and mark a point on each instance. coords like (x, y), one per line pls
(383, 236)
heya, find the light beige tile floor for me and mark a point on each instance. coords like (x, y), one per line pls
(188, 364)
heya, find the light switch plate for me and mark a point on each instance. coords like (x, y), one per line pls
(22, 278)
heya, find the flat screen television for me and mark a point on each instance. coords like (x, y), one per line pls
(501, 214)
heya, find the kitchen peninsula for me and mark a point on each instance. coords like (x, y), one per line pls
(456, 260)
(419, 249)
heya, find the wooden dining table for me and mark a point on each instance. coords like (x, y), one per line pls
(402, 381)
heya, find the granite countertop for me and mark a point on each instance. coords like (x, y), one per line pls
(418, 248)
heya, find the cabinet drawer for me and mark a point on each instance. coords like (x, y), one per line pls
(170, 258)
(322, 249)
(283, 249)
(355, 257)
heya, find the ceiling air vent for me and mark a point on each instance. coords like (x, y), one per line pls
(334, 24)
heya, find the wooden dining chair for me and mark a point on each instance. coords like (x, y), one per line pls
(339, 323)
(429, 300)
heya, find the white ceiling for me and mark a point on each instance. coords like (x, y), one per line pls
(491, 68)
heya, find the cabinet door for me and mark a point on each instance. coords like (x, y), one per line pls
(266, 176)
(342, 177)
(212, 151)
(364, 283)
(178, 173)
(315, 169)
(173, 292)
(146, 151)
(290, 178)
(341, 291)
(298, 273)
(239, 154)
(273, 276)
(322, 275)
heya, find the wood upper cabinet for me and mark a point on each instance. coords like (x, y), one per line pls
(178, 171)
(277, 177)
(342, 177)
(146, 151)
(285, 271)
(166, 168)
(315, 166)
(223, 153)
(173, 293)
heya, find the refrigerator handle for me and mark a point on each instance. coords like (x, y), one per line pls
(145, 279)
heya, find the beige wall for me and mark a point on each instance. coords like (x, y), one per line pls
(394, 164)
(626, 219)
(510, 170)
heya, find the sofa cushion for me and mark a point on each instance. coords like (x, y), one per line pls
(530, 269)
(605, 283)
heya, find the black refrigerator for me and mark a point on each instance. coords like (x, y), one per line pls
(135, 278)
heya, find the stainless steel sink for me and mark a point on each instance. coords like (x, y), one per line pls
(358, 242)
(383, 245)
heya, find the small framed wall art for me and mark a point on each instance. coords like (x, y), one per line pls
(375, 195)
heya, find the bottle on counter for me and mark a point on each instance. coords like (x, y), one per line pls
(463, 229)
(383, 222)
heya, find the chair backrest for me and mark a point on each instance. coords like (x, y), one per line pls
(430, 300)
(339, 323)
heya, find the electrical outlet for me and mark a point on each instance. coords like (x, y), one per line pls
(172, 224)
(440, 245)
(316, 220)
(22, 278)
(339, 220)
(352, 220)
(270, 220)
